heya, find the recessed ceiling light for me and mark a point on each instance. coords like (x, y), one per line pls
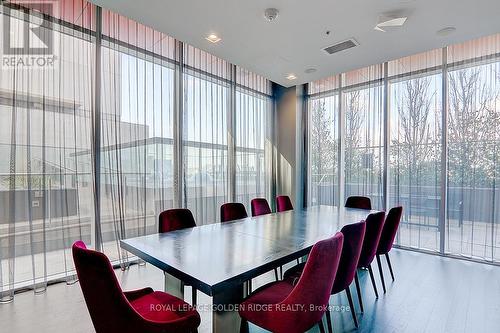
(213, 38)
(291, 77)
(310, 70)
(446, 31)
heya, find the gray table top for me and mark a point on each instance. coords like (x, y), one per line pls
(215, 256)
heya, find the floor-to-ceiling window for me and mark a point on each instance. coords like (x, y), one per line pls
(250, 147)
(45, 124)
(122, 123)
(473, 145)
(362, 106)
(323, 132)
(205, 140)
(440, 112)
(136, 154)
(415, 113)
(253, 141)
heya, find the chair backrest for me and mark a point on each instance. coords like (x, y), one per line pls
(374, 225)
(315, 283)
(351, 250)
(109, 309)
(175, 219)
(283, 203)
(390, 229)
(358, 202)
(260, 207)
(232, 211)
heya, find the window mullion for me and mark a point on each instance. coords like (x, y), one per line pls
(444, 153)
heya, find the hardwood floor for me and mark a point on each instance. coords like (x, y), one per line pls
(430, 294)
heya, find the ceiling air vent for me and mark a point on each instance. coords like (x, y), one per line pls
(347, 44)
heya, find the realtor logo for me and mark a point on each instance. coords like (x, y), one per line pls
(28, 35)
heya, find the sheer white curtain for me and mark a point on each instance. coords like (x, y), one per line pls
(441, 111)
(363, 110)
(323, 135)
(206, 91)
(151, 88)
(45, 135)
(137, 103)
(473, 148)
(253, 138)
(415, 108)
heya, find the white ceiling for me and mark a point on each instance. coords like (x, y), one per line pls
(293, 42)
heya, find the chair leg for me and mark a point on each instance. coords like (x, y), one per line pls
(358, 291)
(351, 304)
(321, 327)
(193, 296)
(389, 264)
(329, 320)
(379, 264)
(281, 272)
(298, 262)
(276, 274)
(243, 326)
(373, 280)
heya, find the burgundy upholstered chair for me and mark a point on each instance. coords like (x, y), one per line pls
(177, 219)
(283, 203)
(232, 211)
(374, 225)
(358, 202)
(351, 250)
(113, 310)
(387, 239)
(312, 289)
(260, 207)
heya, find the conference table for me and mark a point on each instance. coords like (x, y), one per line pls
(221, 259)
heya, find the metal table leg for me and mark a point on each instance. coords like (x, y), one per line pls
(174, 286)
(225, 317)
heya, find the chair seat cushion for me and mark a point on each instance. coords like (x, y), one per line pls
(269, 294)
(292, 276)
(162, 307)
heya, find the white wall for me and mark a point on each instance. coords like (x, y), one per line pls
(289, 142)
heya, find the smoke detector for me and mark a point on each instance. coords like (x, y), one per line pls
(271, 14)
